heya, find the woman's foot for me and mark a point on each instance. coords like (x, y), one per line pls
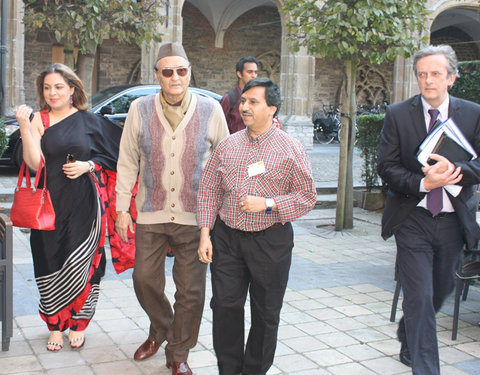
(76, 338)
(55, 341)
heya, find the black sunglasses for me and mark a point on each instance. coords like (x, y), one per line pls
(168, 72)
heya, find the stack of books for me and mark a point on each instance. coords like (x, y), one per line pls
(447, 140)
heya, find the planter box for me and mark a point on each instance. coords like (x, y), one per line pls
(369, 200)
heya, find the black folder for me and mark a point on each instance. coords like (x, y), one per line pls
(450, 149)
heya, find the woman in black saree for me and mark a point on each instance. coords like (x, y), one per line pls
(70, 260)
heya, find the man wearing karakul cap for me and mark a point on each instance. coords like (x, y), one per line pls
(166, 141)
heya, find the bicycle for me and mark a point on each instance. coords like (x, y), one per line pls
(325, 125)
(364, 109)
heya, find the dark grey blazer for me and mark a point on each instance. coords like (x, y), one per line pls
(403, 132)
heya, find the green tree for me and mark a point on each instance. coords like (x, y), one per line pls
(349, 30)
(86, 23)
(467, 83)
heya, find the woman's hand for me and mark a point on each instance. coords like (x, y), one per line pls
(75, 169)
(23, 116)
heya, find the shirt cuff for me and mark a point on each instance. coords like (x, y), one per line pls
(422, 187)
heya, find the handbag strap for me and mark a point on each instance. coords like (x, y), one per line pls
(45, 118)
(39, 172)
(24, 170)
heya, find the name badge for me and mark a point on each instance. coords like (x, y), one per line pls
(256, 169)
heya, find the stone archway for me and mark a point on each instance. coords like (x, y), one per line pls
(458, 15)
(459, 27)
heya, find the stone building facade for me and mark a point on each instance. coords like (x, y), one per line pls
(216, 33)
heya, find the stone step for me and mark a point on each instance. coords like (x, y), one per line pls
(325, 201)
(6, 195)
(5, 208)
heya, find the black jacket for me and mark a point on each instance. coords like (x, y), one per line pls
(403, 132)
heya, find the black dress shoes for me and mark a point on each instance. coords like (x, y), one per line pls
(405, 355)
(146, 350)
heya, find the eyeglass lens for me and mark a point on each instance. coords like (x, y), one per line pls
(167, 73)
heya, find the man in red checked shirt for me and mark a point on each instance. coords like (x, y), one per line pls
(255, 183)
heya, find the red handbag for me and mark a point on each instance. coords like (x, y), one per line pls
(32, 207)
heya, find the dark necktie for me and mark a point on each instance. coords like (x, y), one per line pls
(434, 197)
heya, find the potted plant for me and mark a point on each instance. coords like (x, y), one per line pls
(372, 196)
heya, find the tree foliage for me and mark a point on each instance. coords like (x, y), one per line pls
(350, 30)
(369, 129)
(378, 30)
(89, 22)
(467, 84)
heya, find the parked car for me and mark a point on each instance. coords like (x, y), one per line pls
(112, 103)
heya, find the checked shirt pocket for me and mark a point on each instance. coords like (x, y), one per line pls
(231, 178)
(270, 183)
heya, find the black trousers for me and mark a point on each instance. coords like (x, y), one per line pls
(242, 260)
(428, 251)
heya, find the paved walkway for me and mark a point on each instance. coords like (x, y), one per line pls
(335, 318)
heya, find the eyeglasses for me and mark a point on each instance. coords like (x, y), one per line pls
(168, 72)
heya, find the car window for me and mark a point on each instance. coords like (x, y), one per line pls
(105, 94)
(122, 104)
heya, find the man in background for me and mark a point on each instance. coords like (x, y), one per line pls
(246, 70)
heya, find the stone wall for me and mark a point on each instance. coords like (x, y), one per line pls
(117, 64)
(257, 32)
(37, 57)
(329, 76)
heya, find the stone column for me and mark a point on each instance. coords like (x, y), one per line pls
(297, 75)
(15, 43)
(404, 83)
(171, 29)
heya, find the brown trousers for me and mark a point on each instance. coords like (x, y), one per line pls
(179, 327)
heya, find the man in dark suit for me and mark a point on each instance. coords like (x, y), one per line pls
(430, 225)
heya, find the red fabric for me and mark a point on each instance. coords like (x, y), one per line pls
(123, 254)
(45, 119)
(276, 122)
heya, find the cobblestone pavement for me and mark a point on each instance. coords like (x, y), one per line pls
(335, 318)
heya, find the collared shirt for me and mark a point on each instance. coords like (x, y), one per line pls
(225, 180)
(442, 116)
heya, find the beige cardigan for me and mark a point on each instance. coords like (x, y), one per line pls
(168, 162)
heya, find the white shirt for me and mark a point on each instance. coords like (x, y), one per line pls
(442, 116)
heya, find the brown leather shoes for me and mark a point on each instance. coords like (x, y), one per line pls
(146, 350)
(179, 368)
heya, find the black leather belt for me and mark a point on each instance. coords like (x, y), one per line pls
(439, 216)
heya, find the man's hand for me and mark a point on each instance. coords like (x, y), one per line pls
(442, 173)
(252, 204)
(205, 249)
(123, 223)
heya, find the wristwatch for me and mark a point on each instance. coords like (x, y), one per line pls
(269, 202)
(91, 166)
